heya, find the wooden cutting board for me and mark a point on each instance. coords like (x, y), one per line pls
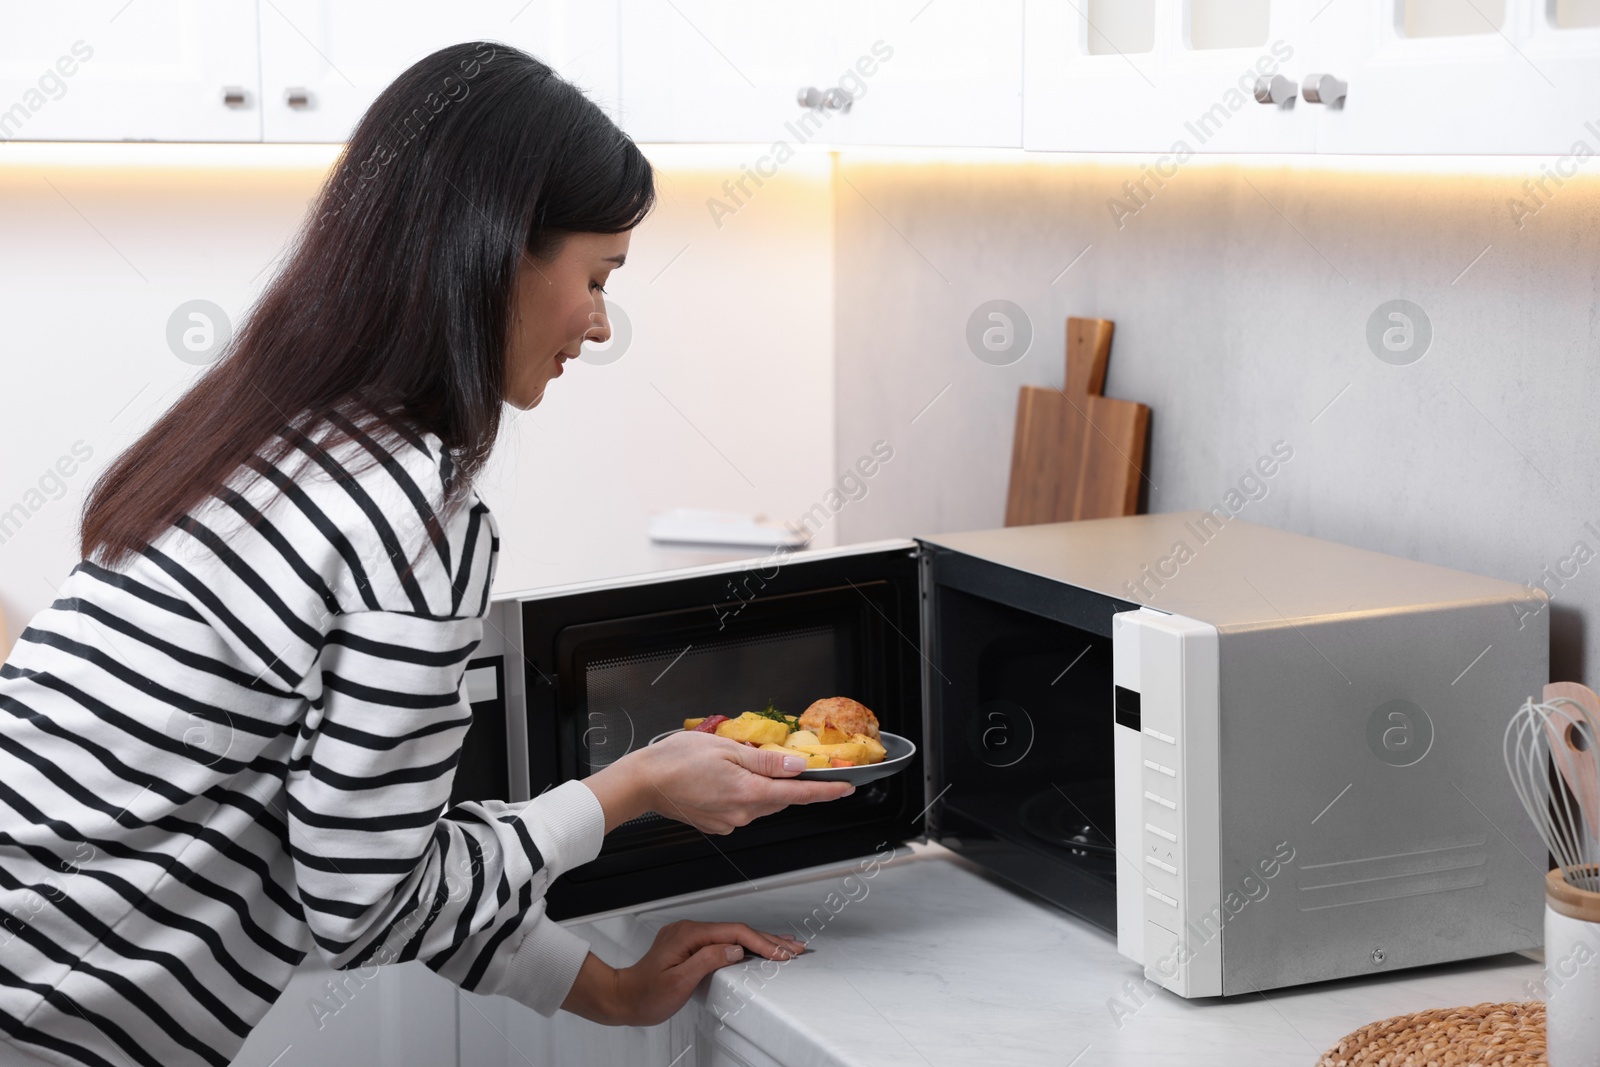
(1077, 454)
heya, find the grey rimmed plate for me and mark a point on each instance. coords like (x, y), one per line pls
(897, 754)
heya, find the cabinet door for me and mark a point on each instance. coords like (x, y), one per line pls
(499, 1032)
(402, 1016)
(1453, 76)
(948, 73)
(726, 1048)
(110, 70)
(726, 70)
(1563, 43)
(323, 62)
(1175, 77)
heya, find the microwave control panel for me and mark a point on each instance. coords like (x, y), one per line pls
(1169, 915)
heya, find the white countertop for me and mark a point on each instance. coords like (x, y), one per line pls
(929, 962)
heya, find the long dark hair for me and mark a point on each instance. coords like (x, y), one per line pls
(397, 298)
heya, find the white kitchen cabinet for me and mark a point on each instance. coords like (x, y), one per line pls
(114, 70)
(497, 1032)
(944, 73)
(1527, 85)
(324, 61)
(1402, 77)
(1101, 80)
(895, 72)
(723, 70)
(400, 1016)
(1165, 77)
(729, 1049)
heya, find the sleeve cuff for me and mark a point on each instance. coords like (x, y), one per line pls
(568, 826)
(541, 972)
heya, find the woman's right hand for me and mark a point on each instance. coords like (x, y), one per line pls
(711, 783)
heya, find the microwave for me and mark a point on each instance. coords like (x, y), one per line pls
(1259, 759)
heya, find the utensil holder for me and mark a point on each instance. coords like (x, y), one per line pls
(1572, 973)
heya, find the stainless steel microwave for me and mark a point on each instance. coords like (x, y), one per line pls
(1260, 759)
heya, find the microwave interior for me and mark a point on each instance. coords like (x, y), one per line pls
(609, 669)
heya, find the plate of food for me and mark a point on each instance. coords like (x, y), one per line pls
(839, 738)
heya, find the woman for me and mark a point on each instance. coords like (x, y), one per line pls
(231, 741)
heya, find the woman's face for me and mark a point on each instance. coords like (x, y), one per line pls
(559, 303)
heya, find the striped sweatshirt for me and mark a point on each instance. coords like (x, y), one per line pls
(237, 748)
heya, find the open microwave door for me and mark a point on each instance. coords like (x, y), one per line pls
(605, 667)
(1020, 721)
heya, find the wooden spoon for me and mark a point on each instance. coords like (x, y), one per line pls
(1574, 748)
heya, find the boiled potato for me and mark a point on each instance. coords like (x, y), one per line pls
(854, 752)
(875, 749)
(831, 735)
(756, 728)
(803, 737)
(690, 724)
(813, 761)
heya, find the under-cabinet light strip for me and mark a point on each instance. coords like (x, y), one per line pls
(677, 156)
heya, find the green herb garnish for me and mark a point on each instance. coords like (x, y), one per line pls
(771, 712)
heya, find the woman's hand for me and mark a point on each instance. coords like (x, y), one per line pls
(709, 782)
(652, 990)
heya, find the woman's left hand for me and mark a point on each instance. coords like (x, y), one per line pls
(652, 990)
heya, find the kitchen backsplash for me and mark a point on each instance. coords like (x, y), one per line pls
(769, 350)
(1253, 307)
(715, 393)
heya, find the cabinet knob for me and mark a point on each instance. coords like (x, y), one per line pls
(837, 99)
(1324, 89)
(1275, 90)
(809, 97)
(297, 98)
(234, 96)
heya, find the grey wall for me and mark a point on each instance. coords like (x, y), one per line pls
(1241, 296)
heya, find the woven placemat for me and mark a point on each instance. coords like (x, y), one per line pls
(1484, 1035)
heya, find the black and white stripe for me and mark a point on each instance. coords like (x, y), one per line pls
(237, 748)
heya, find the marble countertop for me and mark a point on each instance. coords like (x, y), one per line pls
(927, 961)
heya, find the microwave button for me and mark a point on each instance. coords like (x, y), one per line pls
(1159, 736)
(1159, 832)
(1169, 868)
(1154, 766)
(1163, 801)
(1159, 895)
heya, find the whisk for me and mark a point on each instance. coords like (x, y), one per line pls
(1565, 808)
